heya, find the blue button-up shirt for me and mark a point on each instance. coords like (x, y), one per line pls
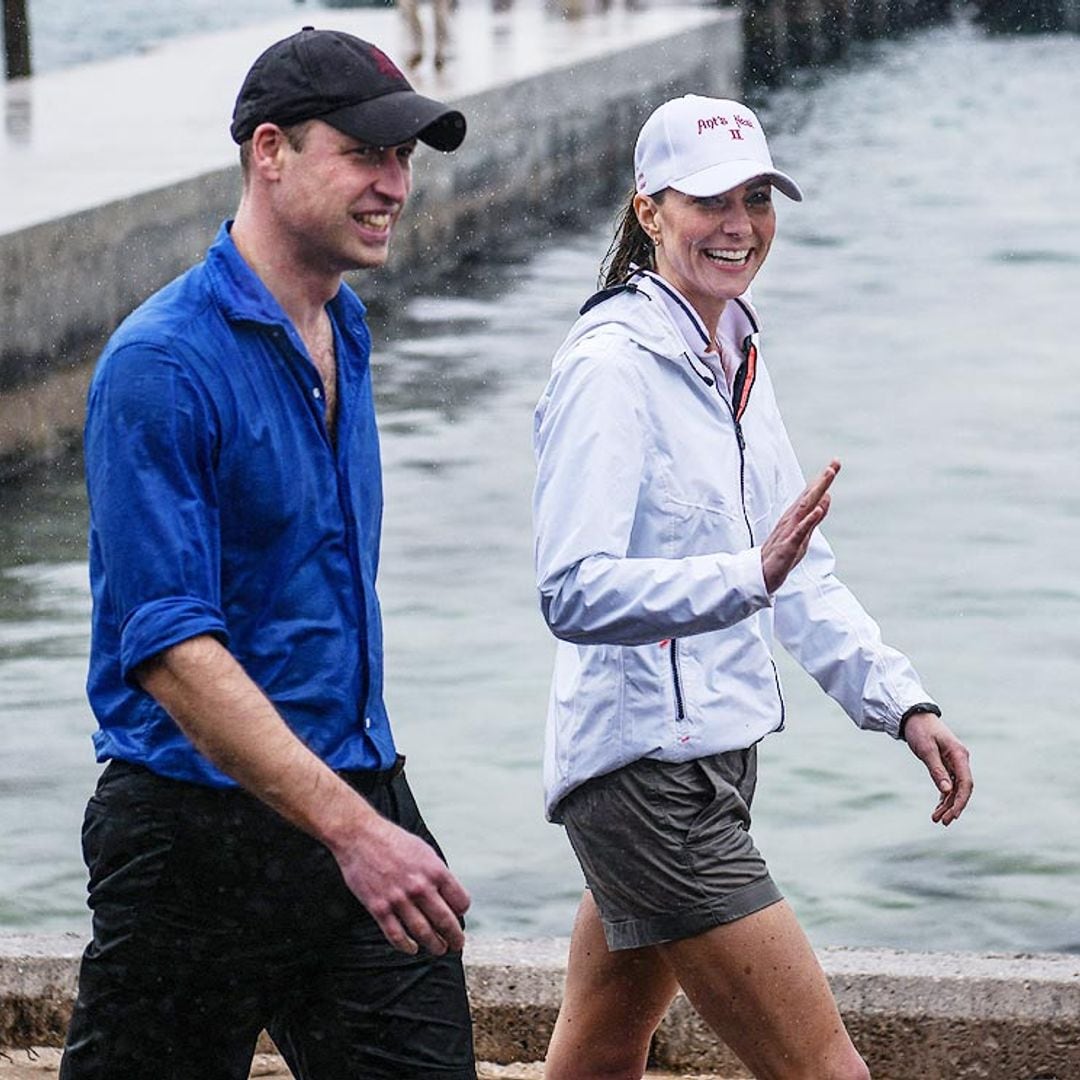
(219, 505)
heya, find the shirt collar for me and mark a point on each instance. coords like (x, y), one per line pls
(244, 297)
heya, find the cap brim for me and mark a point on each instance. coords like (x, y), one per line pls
(395, 118)
(720, 178)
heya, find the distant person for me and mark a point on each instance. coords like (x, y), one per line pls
(410, 10)
(256, 857)
(577, 9)
(675, 538)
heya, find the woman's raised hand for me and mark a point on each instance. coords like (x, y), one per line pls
(788, 541)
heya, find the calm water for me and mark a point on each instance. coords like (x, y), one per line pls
(61, 34)
(921, 324)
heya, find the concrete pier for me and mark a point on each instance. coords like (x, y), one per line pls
(1034, 16)
(114, 176)
(914, 1016)
(783, 35)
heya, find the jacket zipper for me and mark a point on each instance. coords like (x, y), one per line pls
(780, 696)
(680, 710)
(741, 440)
(742, 384)
(743, 393)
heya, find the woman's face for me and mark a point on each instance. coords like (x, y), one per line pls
(711, 247)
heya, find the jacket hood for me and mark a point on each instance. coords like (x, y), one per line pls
(634, 312)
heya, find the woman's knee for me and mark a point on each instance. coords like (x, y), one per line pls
(847, 1065)
(594, 1057)
(585, 1071)
(852, 1068)
(861, 1072)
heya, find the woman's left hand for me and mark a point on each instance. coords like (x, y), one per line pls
(946, 759)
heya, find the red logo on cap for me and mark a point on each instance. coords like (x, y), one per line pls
(385, 65)
(710, 123)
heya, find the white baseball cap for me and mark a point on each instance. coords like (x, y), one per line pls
(704, 146)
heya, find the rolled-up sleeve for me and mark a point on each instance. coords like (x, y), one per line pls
(154, 529)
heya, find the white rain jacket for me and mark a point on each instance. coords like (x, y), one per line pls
(656, 486)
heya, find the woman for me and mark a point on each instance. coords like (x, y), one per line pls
(667, 563)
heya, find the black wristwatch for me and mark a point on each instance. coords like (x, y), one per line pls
(923, 706)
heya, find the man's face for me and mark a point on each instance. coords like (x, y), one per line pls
(339, 199)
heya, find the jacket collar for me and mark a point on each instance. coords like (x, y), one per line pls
(689, 324)
(738, 325)
(639, 311)
(738, 322)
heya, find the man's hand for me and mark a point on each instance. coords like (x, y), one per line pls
(408, 889)
(397, 876)
(946, 759)
(787, 543)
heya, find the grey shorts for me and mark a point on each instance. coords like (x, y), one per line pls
(665, 847)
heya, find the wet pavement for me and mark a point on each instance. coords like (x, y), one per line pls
(88, 135)
(42, 1064)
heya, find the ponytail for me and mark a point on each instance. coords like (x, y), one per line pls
(630, 247)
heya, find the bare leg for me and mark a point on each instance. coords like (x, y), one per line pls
(411, 16)
(611, 1007)
(757, 983)
(442, 31)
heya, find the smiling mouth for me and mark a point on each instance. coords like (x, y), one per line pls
(728, 258)
(378, 220)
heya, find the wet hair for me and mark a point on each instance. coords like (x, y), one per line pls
(630, 247)
(295, 134)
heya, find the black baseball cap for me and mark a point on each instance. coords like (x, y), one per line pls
(348, 83)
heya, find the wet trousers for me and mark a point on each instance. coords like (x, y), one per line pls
(214, 919)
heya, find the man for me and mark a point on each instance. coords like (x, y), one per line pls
(256, 858)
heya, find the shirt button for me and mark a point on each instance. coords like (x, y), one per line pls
(316, 392)
(367, 722)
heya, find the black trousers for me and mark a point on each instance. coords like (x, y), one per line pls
(214, 918)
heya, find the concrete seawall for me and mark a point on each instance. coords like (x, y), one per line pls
(1037, 16)
(914, 1016)
(553, 108)
(783, 34)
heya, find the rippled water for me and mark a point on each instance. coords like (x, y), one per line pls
(61, 34)
(921, 324)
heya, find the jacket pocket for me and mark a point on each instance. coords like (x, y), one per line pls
(695, 529)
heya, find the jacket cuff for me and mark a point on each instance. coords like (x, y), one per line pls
(922, 706)
(758, 591)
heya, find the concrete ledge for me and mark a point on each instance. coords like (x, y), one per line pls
(915, 1016)
(515, 988)
(38, 977)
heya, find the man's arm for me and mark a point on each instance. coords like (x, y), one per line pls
(401, 881)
